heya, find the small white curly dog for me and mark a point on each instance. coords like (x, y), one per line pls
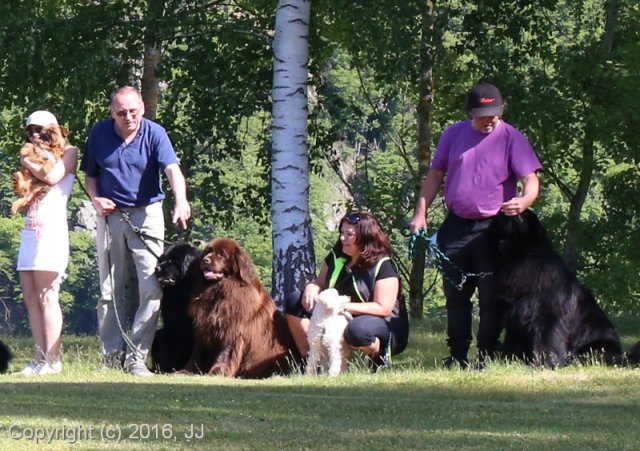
(327, 348)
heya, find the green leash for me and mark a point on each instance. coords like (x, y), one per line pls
(434, 253)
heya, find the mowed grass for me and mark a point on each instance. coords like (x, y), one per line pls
(417, 405)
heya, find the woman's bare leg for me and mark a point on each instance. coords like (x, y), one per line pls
(298, 328)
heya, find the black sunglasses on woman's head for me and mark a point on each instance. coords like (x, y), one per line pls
(353, 218)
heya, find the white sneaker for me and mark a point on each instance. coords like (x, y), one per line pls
(49, 368)
(139, 369)
(31, 369)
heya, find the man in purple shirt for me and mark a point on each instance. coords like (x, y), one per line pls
(123, 159)
(483, 159)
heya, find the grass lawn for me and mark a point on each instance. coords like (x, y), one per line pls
(417, 405)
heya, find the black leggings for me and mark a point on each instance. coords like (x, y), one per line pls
(364, 329)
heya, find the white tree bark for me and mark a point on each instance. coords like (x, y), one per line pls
(293, 261)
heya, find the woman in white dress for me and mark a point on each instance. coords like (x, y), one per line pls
(44, 247)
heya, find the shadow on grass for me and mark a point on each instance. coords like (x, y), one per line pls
(371, 413)
(415, 406)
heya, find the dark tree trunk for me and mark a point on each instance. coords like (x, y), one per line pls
(424, 115)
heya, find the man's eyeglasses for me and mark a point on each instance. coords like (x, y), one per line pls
(124, 113)
(33, 130)
(353, 218)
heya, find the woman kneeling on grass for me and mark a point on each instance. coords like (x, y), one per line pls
(359, 266)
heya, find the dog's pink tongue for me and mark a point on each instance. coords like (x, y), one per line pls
(212, 275)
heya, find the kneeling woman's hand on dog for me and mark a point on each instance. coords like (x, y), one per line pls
(310, 296)
(311, 290)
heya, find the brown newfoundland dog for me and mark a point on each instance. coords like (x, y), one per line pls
(238, 330)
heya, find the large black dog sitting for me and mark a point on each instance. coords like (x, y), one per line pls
(173, 343)
(5, 356)
(550, 317)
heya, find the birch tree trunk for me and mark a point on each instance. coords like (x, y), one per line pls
(293, 256)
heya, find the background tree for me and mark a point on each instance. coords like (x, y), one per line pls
(566, 66)
(567, 69)
(293, 262)
(424, 112)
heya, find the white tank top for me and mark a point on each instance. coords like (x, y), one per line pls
(49, 213)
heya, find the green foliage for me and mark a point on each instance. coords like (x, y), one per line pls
(569, 88)
(569, 54)
(325, 203)
(80, 291)
(567, 75)
(12, 312)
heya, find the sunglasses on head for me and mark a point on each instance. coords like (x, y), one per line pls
(353, 218)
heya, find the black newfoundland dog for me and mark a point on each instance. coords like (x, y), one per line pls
(173, 343)
(5, 357)
(550, 317)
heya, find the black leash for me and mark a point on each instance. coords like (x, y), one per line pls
(141, 234)
(137, 230)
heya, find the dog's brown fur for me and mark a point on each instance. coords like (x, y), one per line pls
(28, 187)
(238, 330)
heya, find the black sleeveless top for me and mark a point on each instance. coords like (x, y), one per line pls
(358, 283)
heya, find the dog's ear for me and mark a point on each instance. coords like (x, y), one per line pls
(63, 132)
(199, 244)
(244, 266)
(56, 136)
(185, 259)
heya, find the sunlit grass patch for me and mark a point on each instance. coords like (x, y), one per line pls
(416, 405)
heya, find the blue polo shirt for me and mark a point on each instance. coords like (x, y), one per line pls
(128, 174)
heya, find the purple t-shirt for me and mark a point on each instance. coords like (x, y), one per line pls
(482, 169)
(128, 174)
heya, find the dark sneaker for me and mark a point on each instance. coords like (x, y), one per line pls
(139, 369)
(452, 362)
(380, 364)
(484, 358)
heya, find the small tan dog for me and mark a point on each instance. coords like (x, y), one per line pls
(327, 347)
(28, 187)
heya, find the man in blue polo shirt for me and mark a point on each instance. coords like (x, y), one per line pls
(483, 159)
(122, 162)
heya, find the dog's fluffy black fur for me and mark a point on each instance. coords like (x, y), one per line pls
(5, 357)
(550, 317)
(173, 343)
(634, 354)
